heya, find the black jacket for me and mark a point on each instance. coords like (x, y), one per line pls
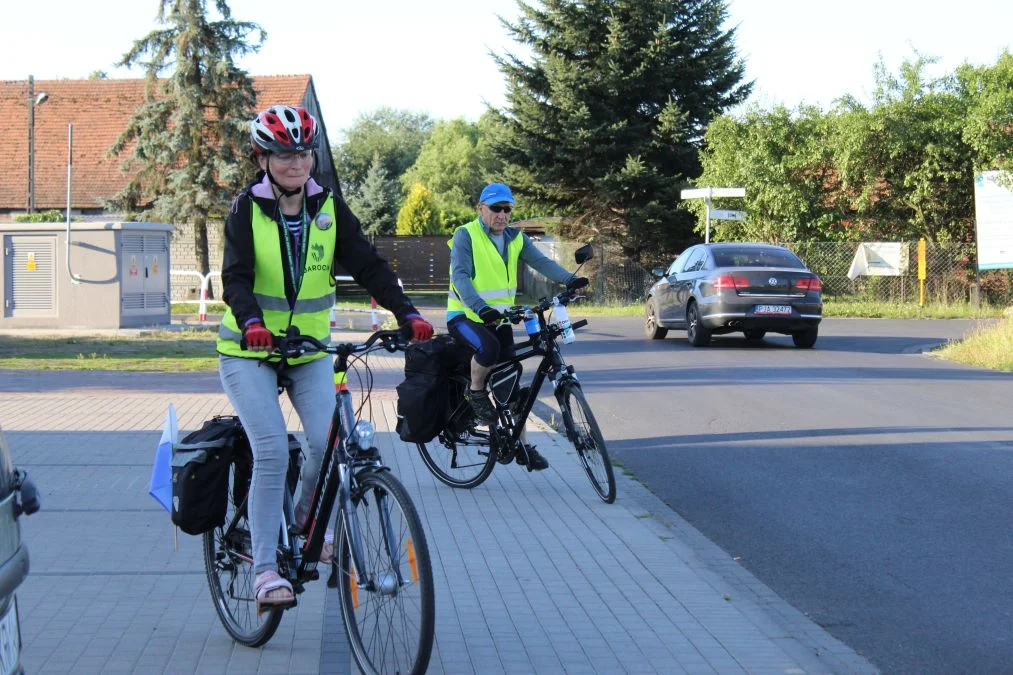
(352, 251)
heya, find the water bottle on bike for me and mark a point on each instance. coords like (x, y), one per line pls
(531, 322)
(562, 317)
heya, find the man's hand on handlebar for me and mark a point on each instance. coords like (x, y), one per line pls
(577, 283)
(490, 317)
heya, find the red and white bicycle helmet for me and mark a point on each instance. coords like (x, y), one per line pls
(284, 128)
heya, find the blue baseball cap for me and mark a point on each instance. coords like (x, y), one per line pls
(496, 193)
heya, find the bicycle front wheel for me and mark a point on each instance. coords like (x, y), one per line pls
(464, 462)
(228, 561)
(388, 606)
(582, 430)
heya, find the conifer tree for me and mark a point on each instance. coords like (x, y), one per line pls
(418, 213)
(192, 133)
(375, 201)
(604, 122)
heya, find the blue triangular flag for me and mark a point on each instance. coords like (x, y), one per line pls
(160, 486)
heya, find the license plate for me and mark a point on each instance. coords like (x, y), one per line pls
(772, 309)
(10, 639)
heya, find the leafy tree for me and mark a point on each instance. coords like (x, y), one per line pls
(375, 200)
(906, 158)
(450, 164)
(988, 127)
(418, 213)
(395, 135)
(605, 122)
(192, 130)
(784, 159)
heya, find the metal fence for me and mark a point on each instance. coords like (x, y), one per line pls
(950, 271)
(423, 263)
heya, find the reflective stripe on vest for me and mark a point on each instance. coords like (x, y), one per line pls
(311, 311)
(494, 280)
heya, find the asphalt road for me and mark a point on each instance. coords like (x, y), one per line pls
(867, 484)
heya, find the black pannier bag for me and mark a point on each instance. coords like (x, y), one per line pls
(200, 473)
(423, 399)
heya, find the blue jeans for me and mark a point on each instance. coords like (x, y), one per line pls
(253, 391)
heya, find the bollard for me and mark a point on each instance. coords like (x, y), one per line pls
(372, 312)
(202, 310)
(334, 318)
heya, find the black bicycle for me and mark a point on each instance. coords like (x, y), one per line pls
(381, 565)
(465, 452)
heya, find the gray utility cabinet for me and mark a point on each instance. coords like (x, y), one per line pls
(120, 275)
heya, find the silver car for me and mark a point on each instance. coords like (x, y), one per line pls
(713, 289)
(18, 496)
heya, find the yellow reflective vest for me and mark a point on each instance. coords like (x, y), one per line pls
(315, 297)
(494, 280)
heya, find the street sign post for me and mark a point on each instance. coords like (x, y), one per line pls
(723, 214)
(707, 194)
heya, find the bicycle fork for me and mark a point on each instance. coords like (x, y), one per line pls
(388, 582)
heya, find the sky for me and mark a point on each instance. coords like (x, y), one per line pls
(433, 57)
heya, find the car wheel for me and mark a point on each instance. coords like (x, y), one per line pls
(805, 338)
(696, 332)
(754, 334)
(651, 328)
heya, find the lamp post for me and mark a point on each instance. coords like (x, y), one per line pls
(33, 101)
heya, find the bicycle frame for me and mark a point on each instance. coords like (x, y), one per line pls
(334, 485)
(552, 365)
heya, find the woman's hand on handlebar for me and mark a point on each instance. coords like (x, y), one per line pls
(257, 338)
(417, 328)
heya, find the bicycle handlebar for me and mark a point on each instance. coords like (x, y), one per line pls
(293, 344)
(565, 297)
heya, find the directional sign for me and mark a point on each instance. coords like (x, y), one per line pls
(697, 193)
(722, 214)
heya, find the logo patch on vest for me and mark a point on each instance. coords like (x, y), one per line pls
(323, 221)
(317, 251)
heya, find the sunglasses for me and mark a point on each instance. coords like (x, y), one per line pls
(496, 208)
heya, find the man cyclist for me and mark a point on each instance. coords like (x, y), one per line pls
(484, 256)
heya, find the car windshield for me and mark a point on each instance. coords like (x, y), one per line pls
(756, 257)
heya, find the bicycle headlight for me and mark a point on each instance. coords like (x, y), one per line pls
(363, 433)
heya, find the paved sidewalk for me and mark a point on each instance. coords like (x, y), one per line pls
(534, 574)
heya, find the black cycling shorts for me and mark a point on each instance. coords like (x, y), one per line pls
(488, 343)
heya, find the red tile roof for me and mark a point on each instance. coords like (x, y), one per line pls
(99, 110)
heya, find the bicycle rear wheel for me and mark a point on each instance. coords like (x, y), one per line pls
(463, 461)
(582, 430)
(228, 561)
(388, 607)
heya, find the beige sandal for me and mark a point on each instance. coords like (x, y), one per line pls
(273, 592)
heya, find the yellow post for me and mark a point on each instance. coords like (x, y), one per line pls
(921, 272)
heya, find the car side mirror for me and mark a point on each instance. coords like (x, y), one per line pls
(583, 254)
(658, 272)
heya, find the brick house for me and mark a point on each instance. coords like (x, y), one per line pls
(99, 111)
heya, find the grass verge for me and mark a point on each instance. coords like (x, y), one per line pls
(989, 346)
(194, 350)
(158, 351)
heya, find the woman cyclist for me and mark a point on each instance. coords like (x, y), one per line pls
(283, 236)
